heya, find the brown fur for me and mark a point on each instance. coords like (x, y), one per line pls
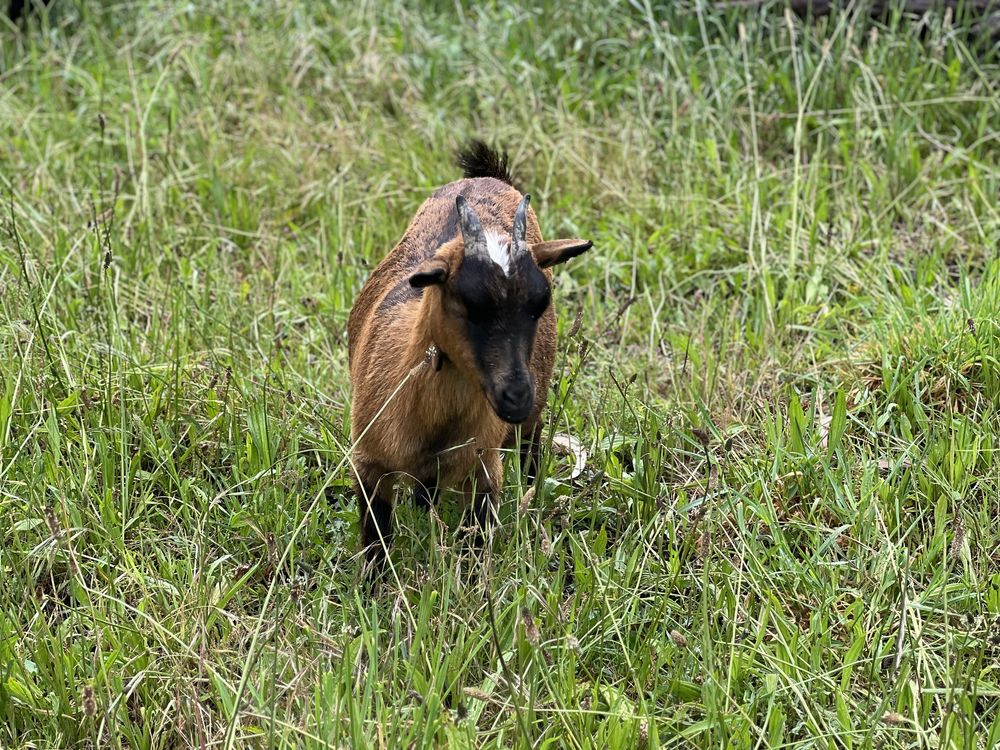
(439, 429)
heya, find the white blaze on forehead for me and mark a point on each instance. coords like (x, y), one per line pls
(499, 249)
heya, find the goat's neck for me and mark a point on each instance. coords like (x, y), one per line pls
(420, 345)
(438, 386)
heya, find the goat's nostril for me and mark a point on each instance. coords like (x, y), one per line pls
(517, 399)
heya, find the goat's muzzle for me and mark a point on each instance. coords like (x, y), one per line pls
(515, 400)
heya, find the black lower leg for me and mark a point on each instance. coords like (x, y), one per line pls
(484, 510)
(424, 495)
(531, 453)
(376, 524)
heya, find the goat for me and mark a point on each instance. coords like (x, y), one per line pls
(451, 343)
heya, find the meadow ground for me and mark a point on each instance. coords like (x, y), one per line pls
(785, 372)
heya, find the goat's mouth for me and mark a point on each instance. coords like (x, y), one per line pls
(514, 417)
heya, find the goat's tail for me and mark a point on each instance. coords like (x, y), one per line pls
(479, 160)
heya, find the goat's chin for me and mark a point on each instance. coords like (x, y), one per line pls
(518, 419)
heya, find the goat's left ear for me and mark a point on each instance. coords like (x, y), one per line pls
(431, 271)
(553, 252)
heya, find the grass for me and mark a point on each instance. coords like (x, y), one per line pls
(786, 373)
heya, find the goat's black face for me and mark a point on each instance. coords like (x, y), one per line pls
(500, 308)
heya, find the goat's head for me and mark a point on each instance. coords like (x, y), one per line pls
(493, 292)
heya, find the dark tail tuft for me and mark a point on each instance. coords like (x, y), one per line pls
(479, 160)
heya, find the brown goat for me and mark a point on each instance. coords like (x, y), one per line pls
(452, 341)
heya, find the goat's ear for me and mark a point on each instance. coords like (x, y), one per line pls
(553, 252)
(431, 271)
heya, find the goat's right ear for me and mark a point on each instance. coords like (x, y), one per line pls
(431, 271)
(548, 254)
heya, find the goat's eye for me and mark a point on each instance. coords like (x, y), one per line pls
(539, 307)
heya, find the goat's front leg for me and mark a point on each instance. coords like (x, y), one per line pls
(485, 485)
(374, 489)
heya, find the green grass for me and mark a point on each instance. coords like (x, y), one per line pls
(787, 376)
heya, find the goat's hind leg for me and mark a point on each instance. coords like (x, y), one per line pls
(529, 447)
(424, 495)
(531, 452)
